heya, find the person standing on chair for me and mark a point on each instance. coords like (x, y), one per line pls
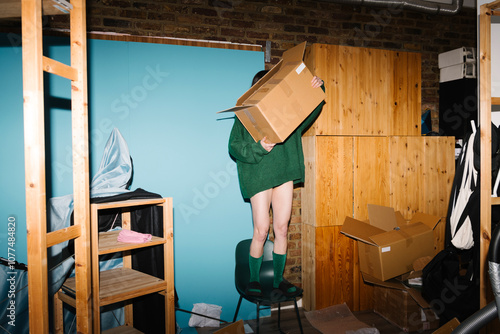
(267, 173)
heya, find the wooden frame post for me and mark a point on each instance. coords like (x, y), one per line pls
(34, 152)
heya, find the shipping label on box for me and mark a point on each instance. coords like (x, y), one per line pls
(387, 244)
(276, 105)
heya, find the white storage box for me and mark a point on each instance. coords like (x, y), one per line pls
(455, 72)
(456, 57)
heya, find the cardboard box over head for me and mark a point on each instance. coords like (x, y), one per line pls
(387, 244)
(281, 100)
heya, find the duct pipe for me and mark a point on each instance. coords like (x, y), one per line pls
(416, 5)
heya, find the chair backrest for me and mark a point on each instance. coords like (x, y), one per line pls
(242, 271)
(243, 251)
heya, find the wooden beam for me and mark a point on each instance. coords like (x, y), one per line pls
(58, 68)
(64, 234)
(34, 152)
(493, 5)
(485, 133)
(12, 8)
(81, 184)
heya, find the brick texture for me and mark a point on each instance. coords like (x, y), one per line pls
(286, 23)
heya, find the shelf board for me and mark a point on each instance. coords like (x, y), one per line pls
(128, 203)
(123, 283)
(108, 243)
(122, 330)
(495, 200)
(120, 284)
(495, 101)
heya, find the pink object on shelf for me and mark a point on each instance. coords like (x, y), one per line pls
(133, 237)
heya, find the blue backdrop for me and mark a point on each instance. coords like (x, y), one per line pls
(163, 99)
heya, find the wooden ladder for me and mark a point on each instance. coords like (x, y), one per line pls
(486, 102)
(34, 64)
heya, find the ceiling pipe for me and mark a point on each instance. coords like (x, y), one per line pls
(415, 5)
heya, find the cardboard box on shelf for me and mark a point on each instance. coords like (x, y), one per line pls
(388, 244)
(403, 306)
(276, 105)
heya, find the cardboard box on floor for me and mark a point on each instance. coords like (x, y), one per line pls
(401, 305)
(276, 105)
(237, 327)
(387, 243)
(448, 327)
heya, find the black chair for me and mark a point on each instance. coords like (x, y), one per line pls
(242, 276)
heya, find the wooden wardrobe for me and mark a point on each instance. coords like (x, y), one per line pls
(365, 148)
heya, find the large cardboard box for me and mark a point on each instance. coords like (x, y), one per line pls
(276, 105)
(402, 305)
(388, 244)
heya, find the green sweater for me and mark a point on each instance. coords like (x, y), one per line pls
(259, 170)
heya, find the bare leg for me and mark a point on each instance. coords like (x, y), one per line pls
(282, 209)
(261, 203)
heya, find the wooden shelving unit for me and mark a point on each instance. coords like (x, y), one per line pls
(123, 284)
(486, 102)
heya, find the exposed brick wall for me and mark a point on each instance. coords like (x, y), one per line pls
(286, 23)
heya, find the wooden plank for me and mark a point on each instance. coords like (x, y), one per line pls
(127, 203)
(64, 234)
(308, 192)
(414, 87)
(34, 153)
(485, 133)
(495, 101)
(371, 177)
(406, 159)
(334, 179)
(493, 5)
(309, 266)
(80, 148)
(123, 283)
(58, 315)
(58, 68)
(108, 243)
(168, 228)
(175, 41)
(94, 229)
(372, 83)
(335, 259)
(438, 171)
(12, 8)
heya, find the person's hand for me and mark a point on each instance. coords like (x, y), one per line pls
(266, 144)
(316, 82)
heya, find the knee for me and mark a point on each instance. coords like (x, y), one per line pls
(281, 231)
(260, 236)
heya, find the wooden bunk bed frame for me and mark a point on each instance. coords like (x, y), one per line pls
(34, 64)
(486, 102)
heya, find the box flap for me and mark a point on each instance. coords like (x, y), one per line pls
(388, 238)
(391, 283)
(417, 297)
(234, 109)
(382, 217)
(358, 230)
(429, 220)
(400, 220)
(294, 54)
